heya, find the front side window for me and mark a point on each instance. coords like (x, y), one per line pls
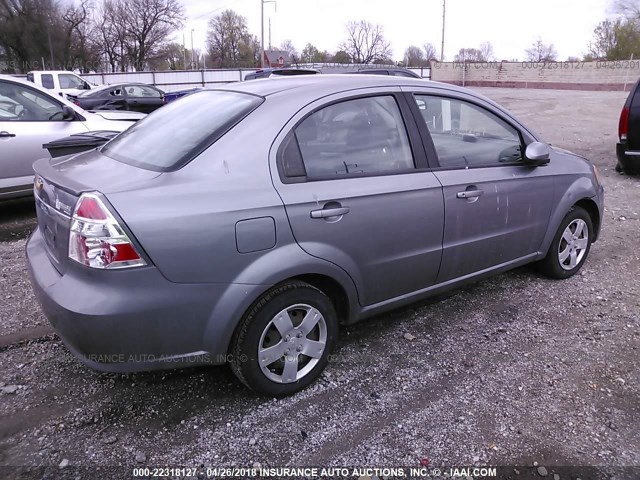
(158, 142)
(70, 81)
(466, 135)
(355, 137)
(47, 81)
(21, 104)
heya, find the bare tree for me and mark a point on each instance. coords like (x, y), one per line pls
(148, 25)
(78, 50)
(414, 57)
(486, 52)
(35, 30)
(111, 35)
(341, 57)
(311, 54)
(469, 55)
(365, 42)
(289, 47)
(628, 8)
(541, 52)
(430, 52)
(229, 43)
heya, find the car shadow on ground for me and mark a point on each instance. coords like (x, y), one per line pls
(167, 398)
(17, 219)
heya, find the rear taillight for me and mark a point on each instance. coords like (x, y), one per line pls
(97, 240)
(623, 126)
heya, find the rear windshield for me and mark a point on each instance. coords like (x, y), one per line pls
(181, 130)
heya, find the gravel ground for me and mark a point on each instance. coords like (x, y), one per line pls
(510, 371)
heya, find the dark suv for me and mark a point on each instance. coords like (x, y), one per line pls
(628, 148)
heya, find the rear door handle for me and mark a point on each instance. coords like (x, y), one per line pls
(7, 135)
(470, 194)
(330, 212)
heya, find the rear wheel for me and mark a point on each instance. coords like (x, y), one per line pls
(570, 246)
(282, 344)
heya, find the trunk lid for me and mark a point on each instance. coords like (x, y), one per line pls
(60, 182)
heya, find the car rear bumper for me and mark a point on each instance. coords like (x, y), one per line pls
(136, 320)
(628, 160)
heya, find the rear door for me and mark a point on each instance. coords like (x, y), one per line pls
(28, 119)
(352, 174)
(497, 208)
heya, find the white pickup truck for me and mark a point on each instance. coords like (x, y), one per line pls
(60, 82)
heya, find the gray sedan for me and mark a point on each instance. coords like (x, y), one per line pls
(31, 116)
(274, 212)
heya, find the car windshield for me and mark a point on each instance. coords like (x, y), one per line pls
(181, 130)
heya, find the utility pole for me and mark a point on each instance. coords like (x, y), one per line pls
(193, 55)
(444, 12)
(50, 44)
(269, 33)
(184, 53)
(262, 2)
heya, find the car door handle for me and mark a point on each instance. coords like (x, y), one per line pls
(470, 194)
(7, 135)
(330, 212)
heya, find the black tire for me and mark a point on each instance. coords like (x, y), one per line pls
(256, 328)
(552, 266)
(619, 168)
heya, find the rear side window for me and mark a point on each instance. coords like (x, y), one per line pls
(181, 130)
(142, 91)
(355, 137)
(47, 81)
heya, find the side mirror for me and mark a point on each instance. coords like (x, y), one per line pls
(537, 154)
(68, 113)
(87, 86)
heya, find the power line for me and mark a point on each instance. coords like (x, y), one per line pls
(224, 5)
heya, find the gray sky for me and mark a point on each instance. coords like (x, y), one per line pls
(510, 25)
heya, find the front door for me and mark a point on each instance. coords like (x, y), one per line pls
(28, 119)
(497, 208)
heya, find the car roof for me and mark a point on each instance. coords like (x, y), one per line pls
(332, 82)
(53, 71)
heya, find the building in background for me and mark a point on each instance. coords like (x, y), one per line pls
(276, 59)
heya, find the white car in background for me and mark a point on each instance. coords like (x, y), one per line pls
(60, 82)
(30, 117)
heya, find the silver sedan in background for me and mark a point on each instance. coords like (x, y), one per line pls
(31, 116)
(275, 211)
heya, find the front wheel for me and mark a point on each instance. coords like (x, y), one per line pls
(570, 246)
(283, 343)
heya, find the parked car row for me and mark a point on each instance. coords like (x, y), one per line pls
(273, 212)
(31, 116)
